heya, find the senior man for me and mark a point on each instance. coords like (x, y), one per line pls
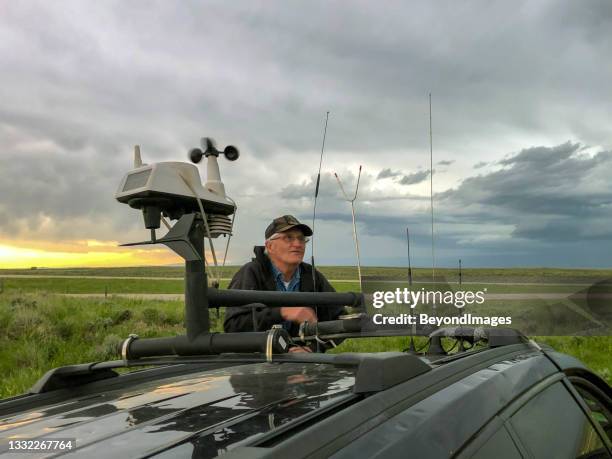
(279, 266)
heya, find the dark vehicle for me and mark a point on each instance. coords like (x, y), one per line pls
(511, 399)
(206, 394)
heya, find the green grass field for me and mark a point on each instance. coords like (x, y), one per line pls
(135, 284)
(540, 275)
(40, 330)
(87, 285)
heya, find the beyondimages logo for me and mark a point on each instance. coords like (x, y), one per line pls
(412, 298)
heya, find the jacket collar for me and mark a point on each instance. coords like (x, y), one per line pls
(306, 284)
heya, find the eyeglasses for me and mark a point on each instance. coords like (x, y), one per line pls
(290, 239)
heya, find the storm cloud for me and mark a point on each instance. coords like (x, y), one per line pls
(546, 193)
(414, 178)
(402, 178)
(543, 199)
(82, 84)
(388, 173)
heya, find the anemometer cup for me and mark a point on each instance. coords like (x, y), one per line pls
(231, 153)
(195, 154)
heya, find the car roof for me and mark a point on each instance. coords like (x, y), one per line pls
(150, 414)
(295, 403)
(439, 409)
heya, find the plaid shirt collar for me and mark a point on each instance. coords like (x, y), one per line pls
(294, 283)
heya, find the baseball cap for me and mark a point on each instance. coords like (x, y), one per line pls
(285, 223)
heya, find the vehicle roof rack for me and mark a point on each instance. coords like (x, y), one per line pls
(71, 376)
(375, 372)
(380, 371)
(495, 337)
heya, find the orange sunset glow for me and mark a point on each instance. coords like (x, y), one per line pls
(89, 253)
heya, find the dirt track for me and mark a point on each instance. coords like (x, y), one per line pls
(491, 296)
(50, 276)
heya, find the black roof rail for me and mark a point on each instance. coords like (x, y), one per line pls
(71, 376)
(380, 371)
(375, 372)
(495, 337)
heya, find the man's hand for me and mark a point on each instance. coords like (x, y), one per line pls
(298, 315)
(299, 349)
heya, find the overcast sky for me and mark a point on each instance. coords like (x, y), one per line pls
(522, 115)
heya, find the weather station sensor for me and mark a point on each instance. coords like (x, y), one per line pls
(175, 189)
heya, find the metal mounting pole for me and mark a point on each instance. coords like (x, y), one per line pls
(196, 286)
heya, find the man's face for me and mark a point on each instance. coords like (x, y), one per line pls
(287, 247)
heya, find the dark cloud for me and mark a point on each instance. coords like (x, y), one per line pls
(414, 178)
(59, 198)
(546, 193)
(445, 163)
(406, 179)
(541, 156)
(376, 224)
(386, 173)
(551, 203)
(263, 69)
(80, 85)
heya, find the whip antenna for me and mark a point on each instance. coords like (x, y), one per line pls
(314, 208)
(461, 283)
(411, 348)
(352, 201)
(409, 264)
(314, 215)
(433, 258)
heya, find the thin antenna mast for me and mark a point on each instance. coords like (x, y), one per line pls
(411, 348)
(314, 215)
(314, 207)
(460, 284)
(433, 258)
(352, 201)
(409, 264)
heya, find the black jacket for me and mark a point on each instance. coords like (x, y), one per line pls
(257, 275)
